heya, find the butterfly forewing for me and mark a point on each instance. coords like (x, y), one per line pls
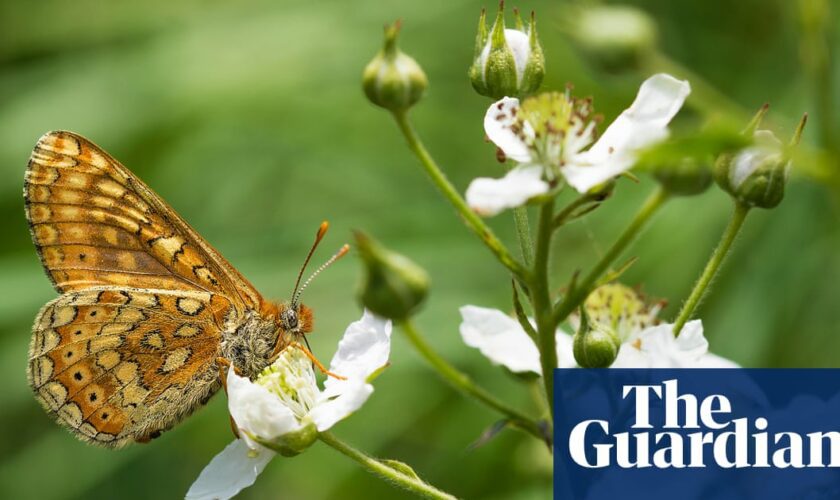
(130, 347)
(95, 223)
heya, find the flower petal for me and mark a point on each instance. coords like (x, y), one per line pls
(656, 347)
(500, 338)
(257, 411)
(499, 123)
(659, 99)
(338, 401)
(363, 349)
(645, 122)
(232, 470)
(488, 197)
(691, 345)
(520, 46)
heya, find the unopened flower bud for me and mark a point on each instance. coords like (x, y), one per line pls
(756, 176)
(617, 37)
(392, 79)
(394, 287)
(595, 345)
(687, 178)
(508, 62)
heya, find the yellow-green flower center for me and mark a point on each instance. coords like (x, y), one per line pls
(620, 309)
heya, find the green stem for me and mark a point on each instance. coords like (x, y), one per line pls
(450, 193)
(538, 395)
(712, 267)
(380, 469)
(523, 233)
(465, 384)
(541, 298)
(577, 295)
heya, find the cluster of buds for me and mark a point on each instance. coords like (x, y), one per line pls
(756, 176)
(508, 62)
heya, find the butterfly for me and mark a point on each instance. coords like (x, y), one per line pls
(149, 313)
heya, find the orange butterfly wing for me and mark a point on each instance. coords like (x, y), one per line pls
(130, 347)
(116, 364)
(95, 223)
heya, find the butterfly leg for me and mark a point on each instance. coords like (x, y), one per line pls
(316, 362)
(224, 365)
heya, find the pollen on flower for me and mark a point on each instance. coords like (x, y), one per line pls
(292, 379)
(621, 309)
(561, 125)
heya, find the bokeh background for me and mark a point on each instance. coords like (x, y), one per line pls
(248, 118)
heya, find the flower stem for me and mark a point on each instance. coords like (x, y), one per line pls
(450, 193)
(465, 384)
(712, 267)
(541, 298)
(523, 233)
(384, 471)
(577, 295)
(538, 395)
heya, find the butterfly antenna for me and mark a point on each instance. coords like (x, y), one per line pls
(322, 230)
(341, 253)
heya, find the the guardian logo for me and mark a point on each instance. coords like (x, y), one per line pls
(700, 434)
(710, 426)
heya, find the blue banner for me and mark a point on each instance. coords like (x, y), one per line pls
(710, 434)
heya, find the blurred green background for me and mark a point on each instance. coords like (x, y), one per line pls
(248, 118)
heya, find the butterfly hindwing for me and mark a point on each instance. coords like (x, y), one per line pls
(119, 364)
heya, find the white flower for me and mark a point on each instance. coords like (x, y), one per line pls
(503, 340)
(551, 132)
(656, 347)
(284, 410)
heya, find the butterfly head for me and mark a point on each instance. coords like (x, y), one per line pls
(296, 319)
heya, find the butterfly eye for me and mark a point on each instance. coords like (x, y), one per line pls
(290, 319)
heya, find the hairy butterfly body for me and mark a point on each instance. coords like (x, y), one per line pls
(130, 347)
